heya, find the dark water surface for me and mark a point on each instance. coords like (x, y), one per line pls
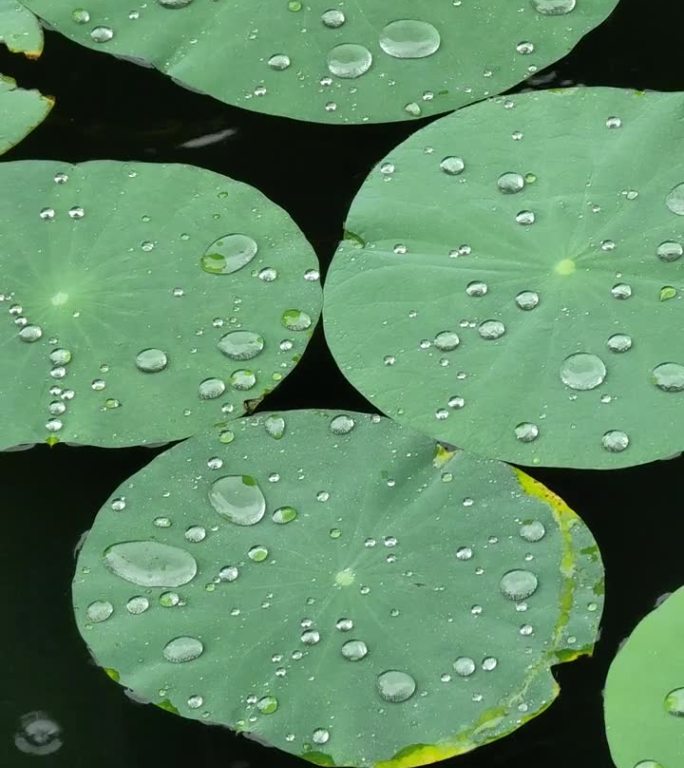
(108, 108)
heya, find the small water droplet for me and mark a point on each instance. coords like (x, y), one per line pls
(446, 341)
(613, 122)
(279, 62)
(526, 432)
(242, 379)
(296, 320)
(354, 650)
(532, 530)
(674, 702)
(195, 534)
(476, 288)
(525, 217)
(615, 441)
(258, 553)
(229, 573)
(195, 701)
(311, 637)
(333, 18)
(527, 300)
(101, 34)
(518, 584)
(238, 498)
(210, 389)
(30, 333)
(275, 426)
(138, 604)
(320, 736)
(621, 291)
(553, 7)
(342, 425)
(395, 686)
(452, 166)
(344, 625)
(489, 663)
(284, 515)
(464, 666)
(267, 705)
(99, 611)
(619, 342)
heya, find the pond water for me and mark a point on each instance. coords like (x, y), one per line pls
(113, 109)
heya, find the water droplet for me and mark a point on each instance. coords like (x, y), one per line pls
(615, 441)
(333, 18)
(396, 686)
(182, 649)
(174, 3)
(526, 432)
(257, 553)
(354, 650)
(101, 34)
(238, 498)
(342, 425)
(675, 200)
(613, 122)
(446, 341)
(491, 329)
(241, 345)
(669, 377)
(284, 515)
(210, 389)
(453, 166)
(275, 426)
(195, 534)
(518, 584)
(527, 300)
(242, 379)
(674, 702)
(553, 7)
(621, 291)
(296, 320)
(582, 371)
(311, 637)
(525, 217)
(349, 60)
(532, 530)
(464, 666)
(151, 360)
(409, 39)
(150, 564)
(489, 664)
(648, 764)
(195, 701)
(525, 47)
(77, 212)
(619, 342)
(669, 251)
(80, 16)
(464, 553)
(510, 182)
(229, 573)
(137, 605)
(279, 62)
(30, 333)
(320, 736)
(228, 254)
(99, 611)
(476, 288)
(344, 625)
(60, 356)
(267, 705)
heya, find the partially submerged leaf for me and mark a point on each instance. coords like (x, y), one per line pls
(369, 61)
(329, 588)
(143, 302)
(512, 281)
(20, 30)
(20, 112)
(644, 695)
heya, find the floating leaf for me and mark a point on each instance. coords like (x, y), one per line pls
(322, 588)
(512, 280)
(20, 30)
(644, 695)
(370, 61)
(143, 302)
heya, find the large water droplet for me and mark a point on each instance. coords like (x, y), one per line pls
(151, 360)
(258, 553)
(674, 702)
(150, 564)
(349, 60)
(320, 736)
(182, 649)
(491, 329)
(284, 515)
(101, 34)
(30, 333)
(275, 426)
(518, 584)
(615, 441)
(409, 39)
(333, 18)
(296, 320)
(228, 254)
(619, 342)
(452, 166)
(238, 498)
(527, 300)
(526, 432)
(354, 650)
(532, 530)
(174, 3)
(342, 424)
(464, 666)
(553, 7)
(396, 686)
(99, 611)
(582, 371)
(241, 345)
(446, 341)
(669, 377)
(509, 183)
(675, 200)
(210, 389)
(669, 251)
(267, 705)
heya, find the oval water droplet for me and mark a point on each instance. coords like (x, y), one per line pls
(464, 666)
(275, 426)
(210, 389)
(150, 564)
(258, 553)
(174, 3)
(228, 254)
(510, 182)
(138, 604)
(182, 649)
(526, 432)
(518, 584)
(669, 377)
(354, 650)
(296, 320)
(446, 341)
(532, 530)
(342, 424)
(615, 441)
(669, 251)
(619, 342)
(476, 288)
(99, 611)
(675, 200)
(582, 371)
(674, 702)
(101, 34)
(241, 345)
(491, 329)
(349, 60)
(320, 736)
(242, 379)
(279, 62)
(527, 300)
(395, 686)
(267, 705)
(333, 19)
(553, 7)
(452, 166)
(284, 515)
(151, 360)
(409, 39)
(238, 498)
(30, 333)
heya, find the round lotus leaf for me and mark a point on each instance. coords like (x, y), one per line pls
(368, 61)
(528, 256)
(339, 587)
(143, 302)
(644, 694)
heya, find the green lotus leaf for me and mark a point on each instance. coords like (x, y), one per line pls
(512, 277)
(644, 694)
(332, 585)
(143, 302)
(370, 61)
(20, 111)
